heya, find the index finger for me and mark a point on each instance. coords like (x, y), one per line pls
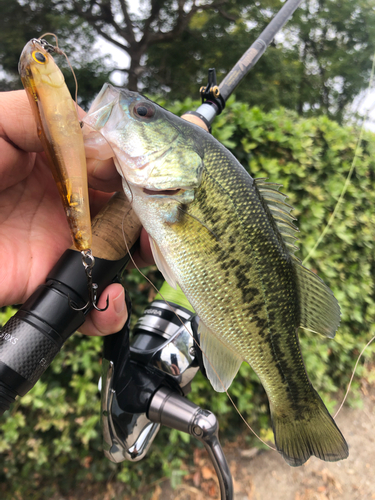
(17, 123)
(18, 133)
(18, 138)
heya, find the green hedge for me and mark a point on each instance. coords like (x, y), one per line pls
(51, 440)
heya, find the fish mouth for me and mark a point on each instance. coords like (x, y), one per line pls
(163, 192)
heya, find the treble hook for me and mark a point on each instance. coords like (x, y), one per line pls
(88, 262)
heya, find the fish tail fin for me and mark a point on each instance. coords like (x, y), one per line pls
(307, 432)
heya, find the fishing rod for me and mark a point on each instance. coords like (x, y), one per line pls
(141, 389)
(213, 96)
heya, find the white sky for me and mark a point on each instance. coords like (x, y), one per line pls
(121, 59)
(365, 104)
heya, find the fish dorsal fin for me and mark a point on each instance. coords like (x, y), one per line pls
(220, 362)
(280, 211)
(318, 307)
(162, 265)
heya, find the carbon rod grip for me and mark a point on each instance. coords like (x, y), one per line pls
(30, 340)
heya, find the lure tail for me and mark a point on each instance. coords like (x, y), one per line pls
(310, 431)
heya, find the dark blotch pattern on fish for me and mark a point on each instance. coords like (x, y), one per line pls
(231, 261)
(269, 299)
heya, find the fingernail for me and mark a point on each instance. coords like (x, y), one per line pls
(119, 302)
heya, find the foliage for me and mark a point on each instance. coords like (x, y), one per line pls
(51, 437)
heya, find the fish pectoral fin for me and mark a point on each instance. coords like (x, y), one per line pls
(220, 362)
(162, 264)
(318, 307)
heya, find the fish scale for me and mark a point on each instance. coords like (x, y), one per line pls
(243, 279)
(228, 241)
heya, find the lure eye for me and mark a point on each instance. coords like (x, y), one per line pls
(144, 110)
(39, 57)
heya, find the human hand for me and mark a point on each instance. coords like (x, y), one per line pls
(33, 228)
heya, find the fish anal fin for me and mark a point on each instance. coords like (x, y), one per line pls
(318, 307)
(162, 264)
(310, 432)
(220, 362)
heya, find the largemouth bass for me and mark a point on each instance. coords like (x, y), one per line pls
(228, 241)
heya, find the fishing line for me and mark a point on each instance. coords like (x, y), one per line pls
(347, 181)
(192, 336)
(200, 222)
(351, 378)
(332, 217)
(61, 52)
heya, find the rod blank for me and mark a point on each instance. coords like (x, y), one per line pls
(251, 56)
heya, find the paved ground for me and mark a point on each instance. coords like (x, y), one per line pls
(265, 475)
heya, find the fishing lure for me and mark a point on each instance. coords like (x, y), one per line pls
(61, 136)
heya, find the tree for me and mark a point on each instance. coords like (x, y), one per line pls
(318, 64)
(79, 22)
(218, 39)
(158, 22)
(20, 21)
(337, 48)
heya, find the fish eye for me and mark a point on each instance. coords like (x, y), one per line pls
(39, 57)
(144, 110)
